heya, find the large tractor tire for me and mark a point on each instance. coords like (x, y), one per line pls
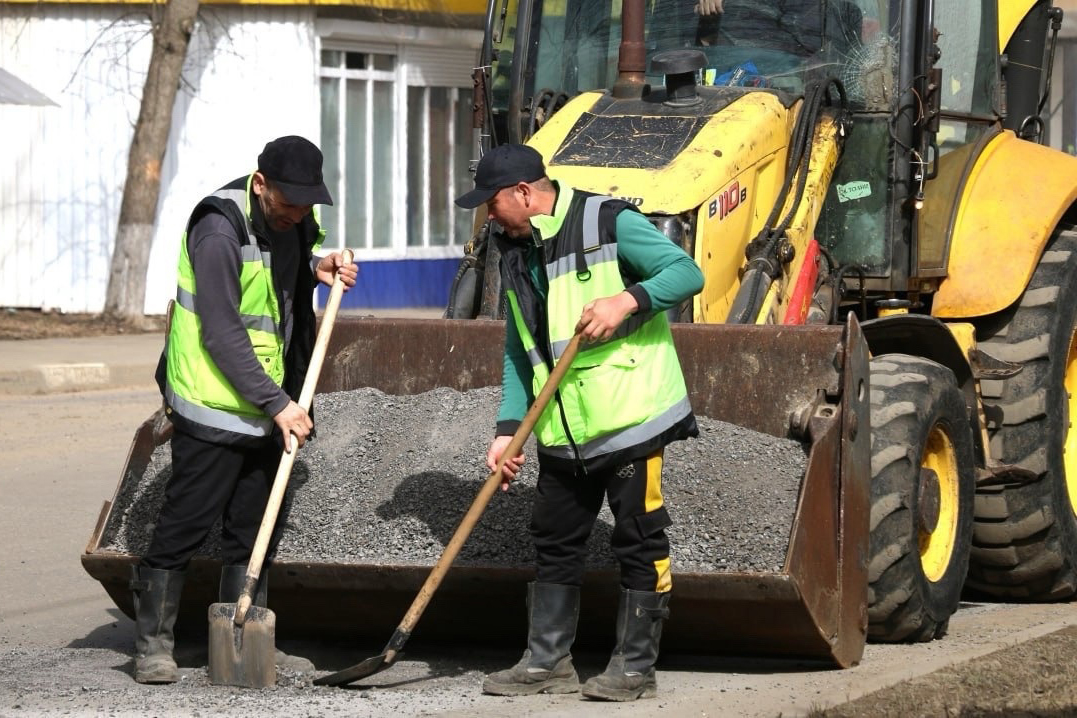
(1025, 536)
(922, 489)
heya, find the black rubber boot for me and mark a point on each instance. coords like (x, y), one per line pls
(156, 596)
(546, 666)
(630, 672)
(232, 580)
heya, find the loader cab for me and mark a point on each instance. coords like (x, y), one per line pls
(894, 193)
(543, 52)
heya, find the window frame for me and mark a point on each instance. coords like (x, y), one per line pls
(393, 39)
(368, 76)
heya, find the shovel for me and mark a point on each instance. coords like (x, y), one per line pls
(400, 636)
(242, 648)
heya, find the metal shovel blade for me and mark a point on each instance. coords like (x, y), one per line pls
(366, 668)
(242, 655)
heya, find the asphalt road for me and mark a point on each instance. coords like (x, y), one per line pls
(60, 458)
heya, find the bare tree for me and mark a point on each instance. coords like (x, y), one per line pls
(126, 293)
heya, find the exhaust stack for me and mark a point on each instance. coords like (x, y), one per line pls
(632, 55)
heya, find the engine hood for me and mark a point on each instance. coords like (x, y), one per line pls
(663, 158)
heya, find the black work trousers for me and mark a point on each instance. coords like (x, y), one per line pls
(567, 506)
(211, 481)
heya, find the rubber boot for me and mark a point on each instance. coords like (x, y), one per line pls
(156, 597)
(546, 666)
(630, 672)
(232, 580)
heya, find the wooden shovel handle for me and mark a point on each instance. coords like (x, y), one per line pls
(489, 488)
(287, 459)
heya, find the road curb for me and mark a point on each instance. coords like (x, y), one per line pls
(70, 377)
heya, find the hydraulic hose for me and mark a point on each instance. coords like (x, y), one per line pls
(763, 263)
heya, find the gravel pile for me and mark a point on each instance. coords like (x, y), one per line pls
(388, 479)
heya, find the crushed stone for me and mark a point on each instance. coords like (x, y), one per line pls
(388, 478)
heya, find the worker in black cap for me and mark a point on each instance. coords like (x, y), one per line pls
(573, 262)
(241, 334)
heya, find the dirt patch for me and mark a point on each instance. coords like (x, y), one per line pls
(38, 324)
(1031, 679)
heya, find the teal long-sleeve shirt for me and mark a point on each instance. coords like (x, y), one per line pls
(670, 277)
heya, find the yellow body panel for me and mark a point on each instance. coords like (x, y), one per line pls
(825, 154)
(965, 335)
(723, 233)
(441, 7)
(1010, 14)
(549, 137)
(722, 272)
(718, 153)
(1015, 196)
(770, 304)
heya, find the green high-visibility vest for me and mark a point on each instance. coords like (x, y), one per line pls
(195, 388)
(619, 393)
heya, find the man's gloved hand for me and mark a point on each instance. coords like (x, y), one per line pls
(709, 7)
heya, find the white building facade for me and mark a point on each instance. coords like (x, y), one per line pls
(383, 87)
(389, 103)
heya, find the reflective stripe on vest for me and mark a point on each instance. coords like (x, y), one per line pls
(618, 393)
(196, 389)
(594, 253)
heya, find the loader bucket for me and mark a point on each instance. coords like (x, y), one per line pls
(808, 382)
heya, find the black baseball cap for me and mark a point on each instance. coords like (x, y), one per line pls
(503, 166)
(294, 165)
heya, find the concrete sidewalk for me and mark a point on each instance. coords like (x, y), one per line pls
(45, 366)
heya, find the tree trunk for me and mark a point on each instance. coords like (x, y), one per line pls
(126, 294)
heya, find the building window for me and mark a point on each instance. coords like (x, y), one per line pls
(439, 142)
(397, 140)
